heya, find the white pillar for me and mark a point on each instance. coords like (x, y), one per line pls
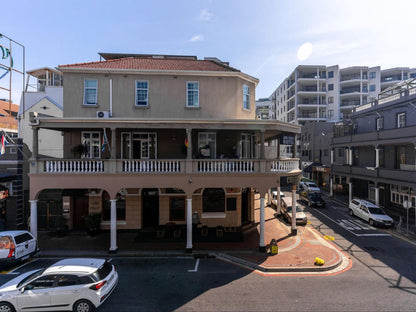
(279, 211)
(113, 226)
(34, 217)
(349, 192)
(189, 224)
(377, 157)
(332, 156)
(262, 244)
(377, 195)
(350, 156)
(294, 228)
(331, 190)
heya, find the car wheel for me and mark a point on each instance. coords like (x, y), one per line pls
(83, 305)
(6, 307)
(351, 212)
(371, 221)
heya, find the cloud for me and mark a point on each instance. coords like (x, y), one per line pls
(197, 38)
(205, 15)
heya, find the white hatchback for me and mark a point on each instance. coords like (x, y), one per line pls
(78, 285)
(16, 246)
(369, 212)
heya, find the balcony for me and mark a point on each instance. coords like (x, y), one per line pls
(164, 166)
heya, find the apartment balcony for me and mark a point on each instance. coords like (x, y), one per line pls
(164, 166)
(352, 78)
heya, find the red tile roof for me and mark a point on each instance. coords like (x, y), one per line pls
(146, 63)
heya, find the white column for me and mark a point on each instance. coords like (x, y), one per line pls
(262, 244)
(350, 156)
(34, 217)
(332, 156)
(377, 195)
(189, 224)
(377, 157)
(349, 192)
(278, 201)
(294, 228)
(331, 190)
(113, 226)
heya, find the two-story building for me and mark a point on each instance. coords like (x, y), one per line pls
(375, 153)
(155, 140)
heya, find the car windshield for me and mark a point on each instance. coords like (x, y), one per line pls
(30, 277)
(376, 210)
(312, 185)
(298, 209)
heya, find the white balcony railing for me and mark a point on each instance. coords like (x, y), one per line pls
(74, 166)
(154, 165)
(165, 166)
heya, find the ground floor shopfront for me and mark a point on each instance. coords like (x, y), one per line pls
(193, 204)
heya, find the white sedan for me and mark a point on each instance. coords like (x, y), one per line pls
(78, 285)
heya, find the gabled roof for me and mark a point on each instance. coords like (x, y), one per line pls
(155, 63)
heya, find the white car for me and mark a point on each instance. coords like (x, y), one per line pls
(287, 212)
(369, 212)
(78, 285)
(309, 187)
(16, 246)
(274, 197)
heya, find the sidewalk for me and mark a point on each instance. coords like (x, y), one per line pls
(295, 253)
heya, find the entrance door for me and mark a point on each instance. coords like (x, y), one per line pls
(80, 211)
(245, 205)
(150, 204)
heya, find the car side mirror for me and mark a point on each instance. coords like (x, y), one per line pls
(27, 287)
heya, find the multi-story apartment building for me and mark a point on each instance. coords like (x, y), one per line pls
(374, 153)
(153, 141)
(265, 109)
(330, 93)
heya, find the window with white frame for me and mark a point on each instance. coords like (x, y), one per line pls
(142, 93)
(330, 113)
(330, 99)
(207, 145)
(379, 123)
(90, 91)
(92, 144)
(192, 94)
(401, 120)
(246, 97)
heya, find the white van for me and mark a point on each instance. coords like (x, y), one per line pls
(16, 246)
(287, 212)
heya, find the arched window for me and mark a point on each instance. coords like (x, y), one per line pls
(213, 200)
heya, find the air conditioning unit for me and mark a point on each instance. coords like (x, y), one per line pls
(103, 114)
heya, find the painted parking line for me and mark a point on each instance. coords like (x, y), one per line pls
(196, 266)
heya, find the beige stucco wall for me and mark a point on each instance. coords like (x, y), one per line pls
(219, 97)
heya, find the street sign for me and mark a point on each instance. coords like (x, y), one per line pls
(407, 204)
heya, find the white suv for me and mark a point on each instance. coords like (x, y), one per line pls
(78, 285)
(309, 187)
(369, 212)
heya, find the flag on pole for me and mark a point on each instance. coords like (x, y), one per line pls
(105, 141)
(3, 145)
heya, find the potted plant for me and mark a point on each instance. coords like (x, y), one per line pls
(93, 222)
(78, 150)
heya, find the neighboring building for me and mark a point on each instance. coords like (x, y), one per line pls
(265, 109)
(8, 114)
(374, 154)
(43, 97)
(315, 146)
(330, 93)
(151, 141)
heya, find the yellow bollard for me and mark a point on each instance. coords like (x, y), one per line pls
(319, 261)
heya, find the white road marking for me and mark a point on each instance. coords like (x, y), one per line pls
(196, 266)
(349, 229)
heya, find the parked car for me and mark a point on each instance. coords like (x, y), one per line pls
(70, 284)
(287, 212)
(16, 246)
(274, 197)
(312, 199)
(369, 212)
(308, 186)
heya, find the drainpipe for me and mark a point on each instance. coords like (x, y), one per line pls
(111, 97)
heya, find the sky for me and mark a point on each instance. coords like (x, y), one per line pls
(262, 38)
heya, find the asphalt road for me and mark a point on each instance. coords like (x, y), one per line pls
(382, 278)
